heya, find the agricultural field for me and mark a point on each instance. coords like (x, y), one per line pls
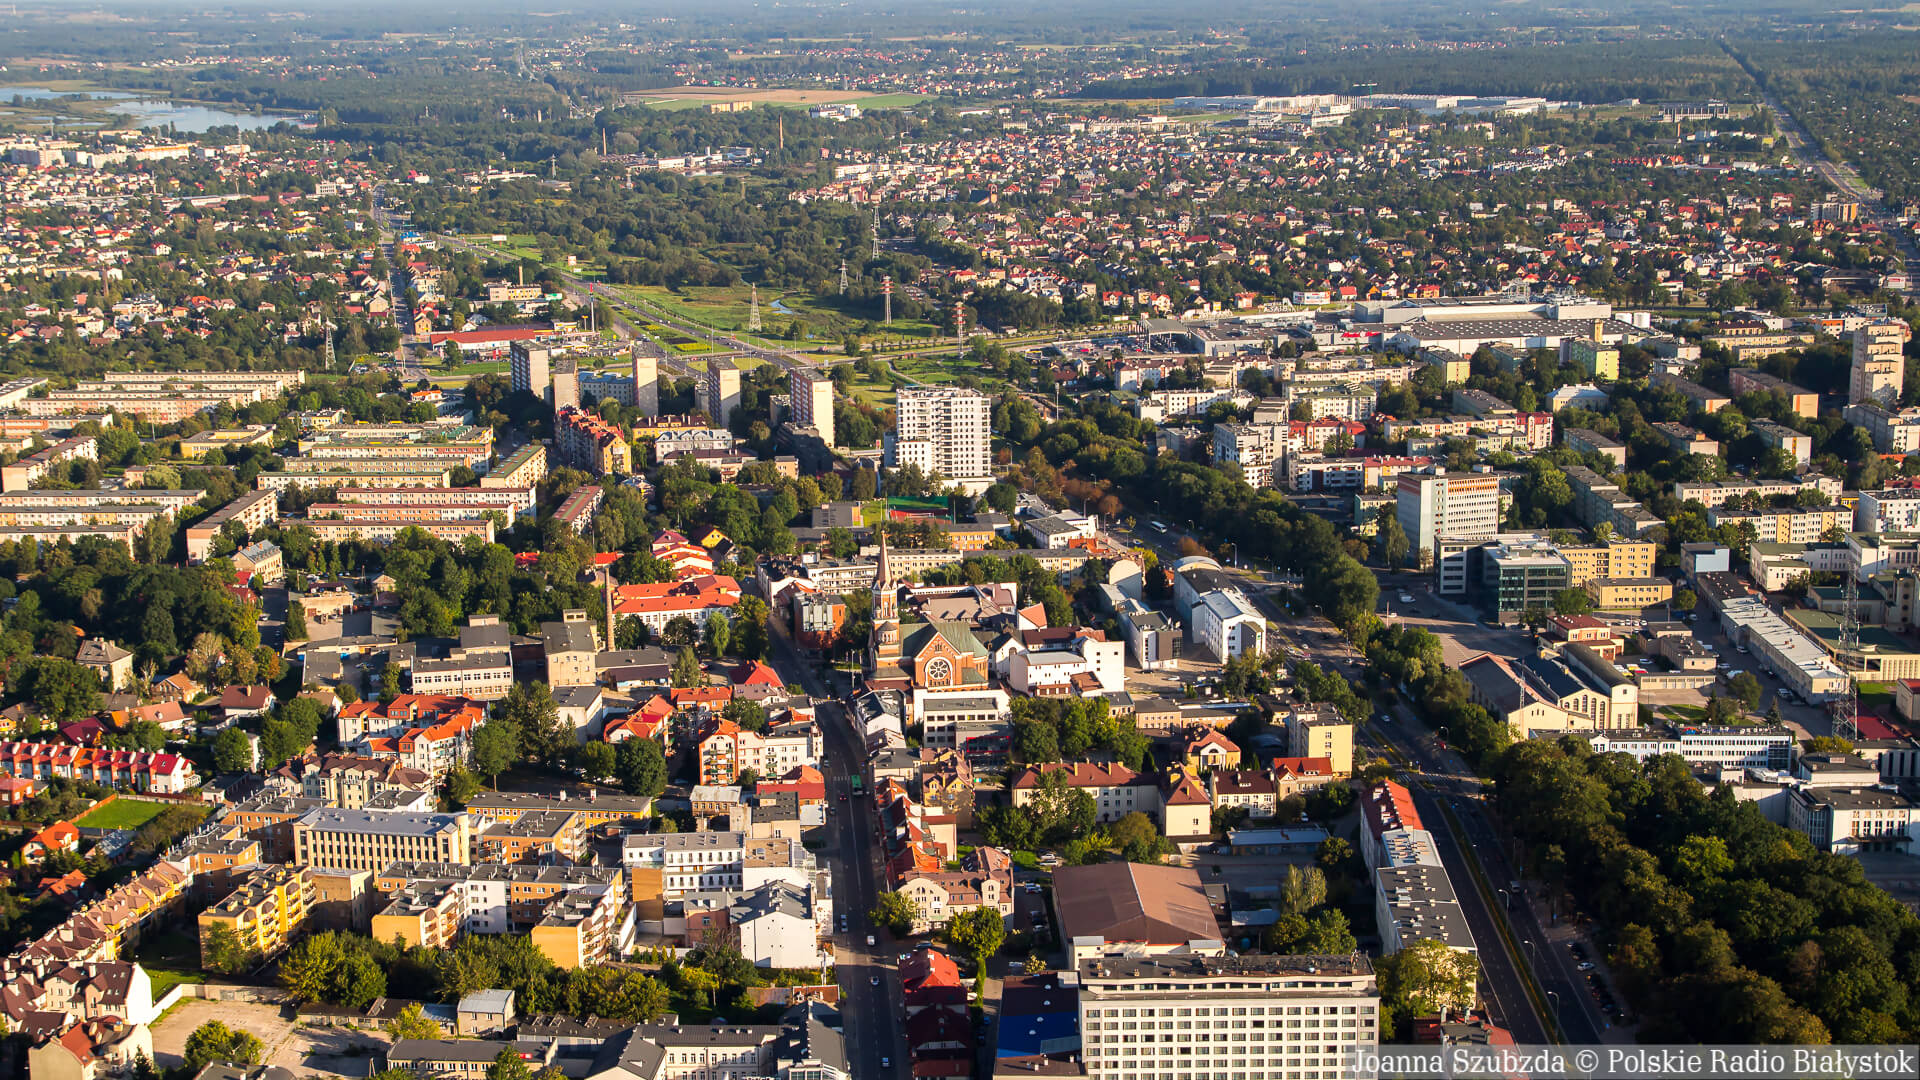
(699, 97)
(673, 339)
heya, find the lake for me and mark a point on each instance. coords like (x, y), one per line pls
(188, 119)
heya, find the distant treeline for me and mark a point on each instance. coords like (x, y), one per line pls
(1649, 70)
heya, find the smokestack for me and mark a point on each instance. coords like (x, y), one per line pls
(607, 580)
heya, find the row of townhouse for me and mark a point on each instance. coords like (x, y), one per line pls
(139, 770)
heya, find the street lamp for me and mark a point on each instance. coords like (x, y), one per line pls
(1506, 902)
(1534, 952)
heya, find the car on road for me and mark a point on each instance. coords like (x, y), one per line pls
(870, 941)
(1584, 965)
(886, 1062)
(1406, 598)
(873, 980)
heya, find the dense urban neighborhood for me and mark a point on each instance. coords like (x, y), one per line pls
(668, 552)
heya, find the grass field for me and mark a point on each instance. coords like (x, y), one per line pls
(121, 814)
(170, 959)
(874, 390)
(1875, 693)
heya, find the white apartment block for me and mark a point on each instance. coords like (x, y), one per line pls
(1228, 625)
(945, 430)
(1245, 1017)
(1249, 451)
(1892, 432)
(1892, 510)
(711, 861)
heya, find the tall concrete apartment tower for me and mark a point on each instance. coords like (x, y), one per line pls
(722, 392)
(1879, 363)
(646, 383)
(530, 369)
(812, 395)
(944, 429)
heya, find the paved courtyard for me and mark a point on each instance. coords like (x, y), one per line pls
(305, 1051)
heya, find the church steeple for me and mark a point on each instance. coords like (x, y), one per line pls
(886, 591)
(884, 647)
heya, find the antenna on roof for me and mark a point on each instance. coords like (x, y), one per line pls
(1846, 709)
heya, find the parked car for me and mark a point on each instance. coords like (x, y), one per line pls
(1585, 965)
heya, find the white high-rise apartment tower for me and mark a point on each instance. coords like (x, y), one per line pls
(945, 430)
(1879, 363)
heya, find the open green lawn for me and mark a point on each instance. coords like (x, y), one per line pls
(874, 390)
(171, 958)
(1875, 693)
(121, 814)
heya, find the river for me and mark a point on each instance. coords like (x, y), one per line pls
(186, 118)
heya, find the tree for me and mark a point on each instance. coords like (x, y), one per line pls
(686, 670)
(461, 786)
(307, 969)
(412, 1023)
(496, 747)
(1390, 542)
(1304, 889)
(1135, 837)
(296, 629)
(641, 767)
(598, 760)
(1684, 599)
(233, 751)
(214, 1041)
(61, 689)
(978, 932)
(1328, 934)
(222, 952)
(535, 716)
(1745, 689)
(289, 731)
(507, 1065)
(717, 634)
(360, 981)
(750, 617)
(1425, 977)
(1572, 602)
(1335, 854)
(895, 912)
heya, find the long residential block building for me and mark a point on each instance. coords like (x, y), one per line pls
(251, 511)
(1234, 1016)
(20, 475)
(371, 839)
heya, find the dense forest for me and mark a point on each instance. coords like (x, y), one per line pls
(1724, 926)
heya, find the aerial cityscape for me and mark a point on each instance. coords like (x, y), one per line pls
(844, 541)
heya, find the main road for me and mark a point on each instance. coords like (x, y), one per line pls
(1838, 174)
(871, 999)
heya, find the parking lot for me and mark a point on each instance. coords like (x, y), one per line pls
(305, 1051)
